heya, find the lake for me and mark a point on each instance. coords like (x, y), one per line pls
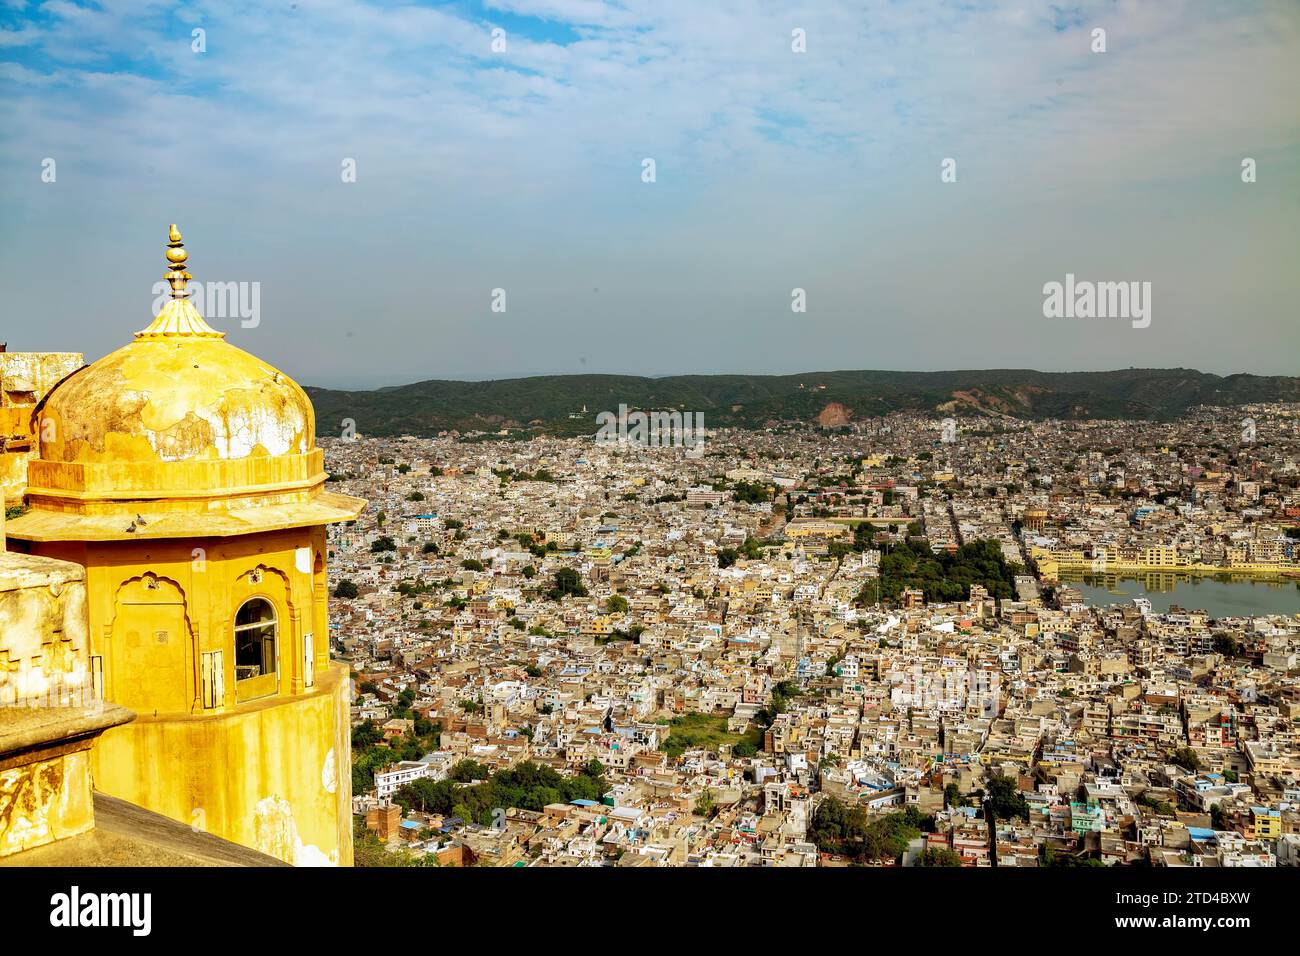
(1219, 596)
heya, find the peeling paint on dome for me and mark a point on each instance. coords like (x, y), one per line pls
(181, 399)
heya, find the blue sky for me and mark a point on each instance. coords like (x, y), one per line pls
(522, 170)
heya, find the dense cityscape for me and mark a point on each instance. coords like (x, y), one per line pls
(908, 640)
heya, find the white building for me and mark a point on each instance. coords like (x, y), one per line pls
(403, 772)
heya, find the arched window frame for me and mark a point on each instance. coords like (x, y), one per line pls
(267, 682)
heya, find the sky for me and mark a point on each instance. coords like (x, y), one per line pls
(523, 169)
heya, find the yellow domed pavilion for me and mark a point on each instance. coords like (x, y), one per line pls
(183, 474)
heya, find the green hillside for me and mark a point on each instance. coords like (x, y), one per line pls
(546, 402)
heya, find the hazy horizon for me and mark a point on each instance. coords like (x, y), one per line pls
(346, 385)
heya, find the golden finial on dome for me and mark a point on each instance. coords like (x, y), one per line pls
(178, 318)
(176, 256)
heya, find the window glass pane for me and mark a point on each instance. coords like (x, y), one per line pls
(256, 611)
(255, 636)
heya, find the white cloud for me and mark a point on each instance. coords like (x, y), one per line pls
(528, 163)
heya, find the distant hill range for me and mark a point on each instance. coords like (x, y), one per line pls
(547, 403)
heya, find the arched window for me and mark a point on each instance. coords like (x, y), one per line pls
(256, 630)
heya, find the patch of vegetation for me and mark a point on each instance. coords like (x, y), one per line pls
(528, 786)
(1005, 799)
(370, 753)
(1163, 807)
(707, 732)
(568, 583)
(945, 576)
(632, 634)
(747, 492)
(1186, 758)
(425, 408)
(849, 831)
(509, 474)
(751, 550)
(1049, 857)
(370, 851)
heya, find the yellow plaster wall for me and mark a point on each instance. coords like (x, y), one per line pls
(44, 801)
(273, 773)
(44, 651)
(25, 377)
(44, 680)
(206, 580)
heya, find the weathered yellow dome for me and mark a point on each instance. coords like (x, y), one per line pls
(177, 434)
(175, 398)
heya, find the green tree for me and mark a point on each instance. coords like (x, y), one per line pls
(848, 831)
(1186, 758)
(568, 583)
(944, 577)
(466, 770)
(366, 734)
(1005, 799)
(749, 493)
(1047, 856)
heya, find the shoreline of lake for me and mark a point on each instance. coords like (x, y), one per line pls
(1219, 595)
